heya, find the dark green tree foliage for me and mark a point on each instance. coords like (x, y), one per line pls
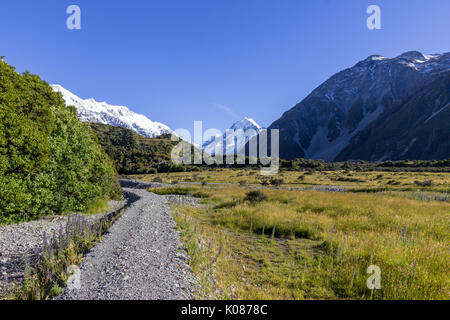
(131, 152)
(135, 154)
(50, 162)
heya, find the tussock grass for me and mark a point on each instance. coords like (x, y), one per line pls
(322, 245)
(375, 181)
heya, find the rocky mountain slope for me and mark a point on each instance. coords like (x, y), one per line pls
(240, 133)
(379, 109)
(89, 110)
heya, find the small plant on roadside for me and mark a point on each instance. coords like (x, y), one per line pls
(46, 276)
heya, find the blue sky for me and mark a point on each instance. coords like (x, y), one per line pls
(177, 61)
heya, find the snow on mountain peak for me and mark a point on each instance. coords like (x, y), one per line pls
(411, 58)
(89, 110)
(246, 123)
(233, 143)
(332, 121)
(413, 55)
(376, 57)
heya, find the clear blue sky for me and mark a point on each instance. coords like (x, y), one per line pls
(177, 61)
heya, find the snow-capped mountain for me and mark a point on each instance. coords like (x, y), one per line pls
(239, 134)
(89, 110)
(381, 108)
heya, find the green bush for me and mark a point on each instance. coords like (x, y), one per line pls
(157, 179)
(426, 183)
(276, 182)
(135, 154)
(50, 162)
(242, 183)
(255, 196)
(179, 191)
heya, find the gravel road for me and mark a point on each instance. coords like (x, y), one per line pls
(139, 258)
(22, 243)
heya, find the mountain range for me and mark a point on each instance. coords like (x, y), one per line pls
(379, 109)
(89, 110)
(240, 133)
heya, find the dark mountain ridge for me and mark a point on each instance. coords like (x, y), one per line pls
(379, 109)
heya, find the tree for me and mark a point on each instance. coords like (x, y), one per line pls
(50, 162)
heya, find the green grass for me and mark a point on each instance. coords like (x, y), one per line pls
(98, 206)
(376, 181)
(322, 245)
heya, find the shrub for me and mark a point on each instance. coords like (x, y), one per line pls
(177, 168)
(276, 182)
(152, 171)
(255, 196)
(50, 162)
(344, 179)
(157, 180)
(179, 191)
(242, 183)
(426, 183)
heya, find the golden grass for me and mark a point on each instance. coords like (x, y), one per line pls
(323, 244)
(323, 241)
(403, 181)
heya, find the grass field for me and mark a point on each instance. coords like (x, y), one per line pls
(405, 181)
(253, 240)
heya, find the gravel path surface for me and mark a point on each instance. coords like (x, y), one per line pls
(139, 258)
(22, 242)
